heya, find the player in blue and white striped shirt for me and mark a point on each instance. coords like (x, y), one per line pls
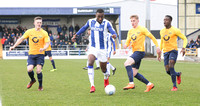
(110, 42)
(98, 48)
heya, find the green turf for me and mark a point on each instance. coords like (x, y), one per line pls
(69, 85)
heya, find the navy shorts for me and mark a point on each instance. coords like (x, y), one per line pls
(48, 53)
(171, 55)
(137, 56)
(35, 60)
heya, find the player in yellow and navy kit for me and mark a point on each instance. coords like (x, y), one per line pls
(169, 36)
(38, 43)
(136, 36)
(48, 53)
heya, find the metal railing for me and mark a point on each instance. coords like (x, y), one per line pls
(62, 47)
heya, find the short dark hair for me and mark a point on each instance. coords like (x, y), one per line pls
(170, 17)
(100, 10)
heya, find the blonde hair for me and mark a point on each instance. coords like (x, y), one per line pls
(38, 18)
(134, 16)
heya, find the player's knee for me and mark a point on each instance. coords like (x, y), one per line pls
(127, 63)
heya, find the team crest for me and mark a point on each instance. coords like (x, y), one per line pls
(138, 32)
(170, 33)
(40, 36)
(133, 37)
(166, 37)
(35, 39)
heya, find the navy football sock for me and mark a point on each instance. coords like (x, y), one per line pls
(39, 76)
(141, 78)
(31, 75)
(173, 76)
(53, 64)
(168, 72)
(130, 73)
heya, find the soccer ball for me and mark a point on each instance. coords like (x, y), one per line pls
(110, 89)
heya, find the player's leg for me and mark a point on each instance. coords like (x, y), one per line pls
(52, 61)
(112, 68)
(30, 65)
(91, 59)
(166, 62)
(102, 57)
(108, 66)
(129, 70)
(40, 63)
(172, 60)
(85, 68)
(97, 64)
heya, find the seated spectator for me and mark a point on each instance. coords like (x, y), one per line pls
(197, 42)
(191, 44)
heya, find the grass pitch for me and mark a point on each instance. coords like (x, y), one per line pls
(69, 85)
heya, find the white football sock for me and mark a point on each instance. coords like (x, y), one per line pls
(112, 67)
(91, 76)
(108, 68)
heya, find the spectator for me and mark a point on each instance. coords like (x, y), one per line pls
(77, 28)
(190, 44)
(61, 37)
(1, 32)
(85, 40)
(49, 31)
(71, 29)
(3, 41)
(64, 29)
(70, 36)
(66, 38)
(13, 34)
(197, 42)
(59, 29)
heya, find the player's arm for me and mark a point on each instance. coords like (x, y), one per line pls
(47, 43)
(83, 29)
(128, 40)
(184, 41)
(113, 42)
(25, 36)
(111, 30)
(17, 43)
(147, 33)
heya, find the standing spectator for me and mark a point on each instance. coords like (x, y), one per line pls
(59, 29)
(191, 44)
(71, 29)
(77, 28)
(1, 32)
(49, 31)
(64, 28)
(3, 41)
(70, 36)
(66, 38)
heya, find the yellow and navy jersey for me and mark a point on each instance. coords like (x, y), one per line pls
(37, 40)
(49, 48)
(169, 39)
(137, 38)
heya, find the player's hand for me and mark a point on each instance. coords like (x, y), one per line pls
(183, 51)
(114, 52)
(73, 38)
(41, 49)
(159, 53)
(125, 46)
(114, 36)
(11, 48)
